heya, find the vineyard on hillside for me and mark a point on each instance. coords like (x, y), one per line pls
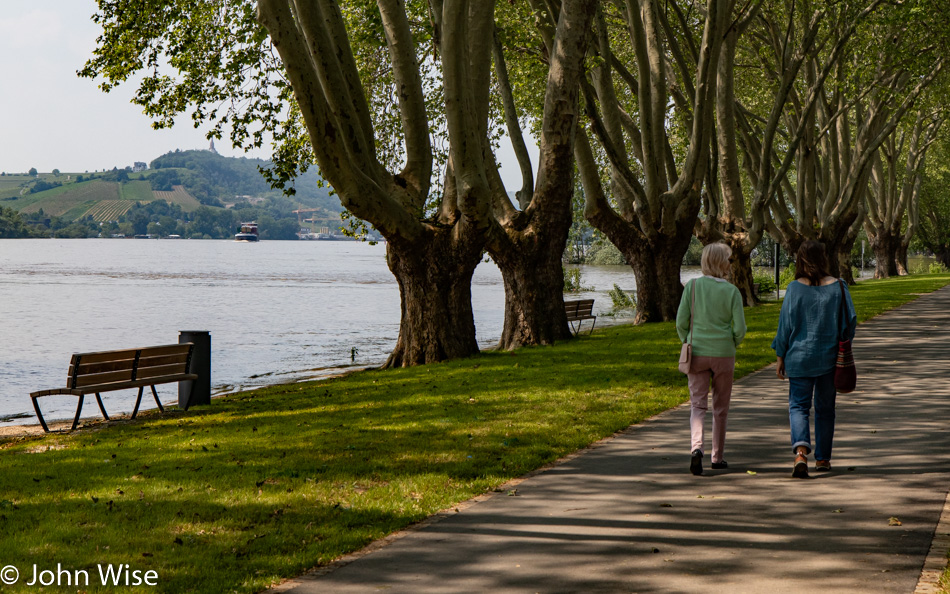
(179, 195)
(137, 191)
(109, 210)
(74, 196)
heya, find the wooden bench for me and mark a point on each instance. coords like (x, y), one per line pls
(106, 371)
(578, 311)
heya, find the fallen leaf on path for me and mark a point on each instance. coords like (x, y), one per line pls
(894, 522)
(752, 472)
(838, 511)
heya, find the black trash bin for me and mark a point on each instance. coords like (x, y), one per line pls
(197, 391)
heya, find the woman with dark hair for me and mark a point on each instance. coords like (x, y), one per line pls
(806, 346)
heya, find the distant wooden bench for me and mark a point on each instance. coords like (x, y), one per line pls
(107, 371)
(578, 311)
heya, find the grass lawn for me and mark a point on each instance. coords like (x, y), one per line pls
(265, 484)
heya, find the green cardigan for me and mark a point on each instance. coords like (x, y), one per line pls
(718, 322)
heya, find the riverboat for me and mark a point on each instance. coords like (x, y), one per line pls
(248, 233)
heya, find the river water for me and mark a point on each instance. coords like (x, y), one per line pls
(277, 311)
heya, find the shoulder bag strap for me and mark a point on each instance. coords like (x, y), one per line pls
(843, 312)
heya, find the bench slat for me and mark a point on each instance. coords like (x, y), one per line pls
(99, 357)
(85, 368)
(160, 371)
(163, 360)
(170, 349)
(120, 355)
(91, 389)
(125, 364)
(102, 378)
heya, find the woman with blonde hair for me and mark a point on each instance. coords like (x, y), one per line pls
(711, 319)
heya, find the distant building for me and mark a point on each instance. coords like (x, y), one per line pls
(139, 166)
(211, 148)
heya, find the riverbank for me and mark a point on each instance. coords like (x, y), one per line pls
(263, 485)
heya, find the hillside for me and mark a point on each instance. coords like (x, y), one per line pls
(210, 177)
(186, 178)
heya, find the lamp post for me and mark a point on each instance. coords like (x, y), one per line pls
(775, 260)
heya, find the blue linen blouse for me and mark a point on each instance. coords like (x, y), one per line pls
(808, 328)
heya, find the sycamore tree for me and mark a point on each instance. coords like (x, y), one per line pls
(643, 154)
(933, 233)
(797, 45)
(392, 101)
(892, 213)
(841, 111)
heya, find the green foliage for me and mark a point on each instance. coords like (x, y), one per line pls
(572, 280)
(274, 217)
(581, 234)
(621, 299)
(32, 172)
(787, 276)
(42, 185)
(263, 485)
(604, 253)
(937, 268)
(694, 253)
(765, 281)
(214, 179)
(12, 225)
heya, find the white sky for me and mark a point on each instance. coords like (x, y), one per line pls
(52, 119)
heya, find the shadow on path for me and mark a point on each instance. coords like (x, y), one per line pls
(628, 516)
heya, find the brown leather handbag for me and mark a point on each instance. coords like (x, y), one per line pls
(686, 353)
(846, 374)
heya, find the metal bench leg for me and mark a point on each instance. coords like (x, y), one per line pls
(157, 401)
(594, 323)
(138, 401)
(78, 412)
(105, 415)
(573, 331)
(39, 415)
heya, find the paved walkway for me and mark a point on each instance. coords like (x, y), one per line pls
(626, 516)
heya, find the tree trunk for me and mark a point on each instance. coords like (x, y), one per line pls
(902, 258)
(657, 269)
(435, 294)
(843, 259)
(534, 295)
(742, 273)
(838, 254)
(885, 247)
(943, 255)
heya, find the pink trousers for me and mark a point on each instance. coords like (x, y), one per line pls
(705, 370)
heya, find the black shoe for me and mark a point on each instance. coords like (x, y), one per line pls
(720, 465)
(696, 462)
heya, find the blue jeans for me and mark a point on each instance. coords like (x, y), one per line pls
(800, 393)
